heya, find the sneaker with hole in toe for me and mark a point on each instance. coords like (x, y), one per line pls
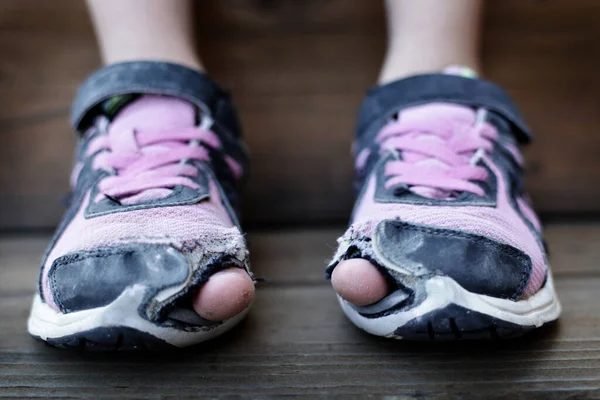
(151, 234)
(442, 222)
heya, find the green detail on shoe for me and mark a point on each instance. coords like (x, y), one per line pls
(112, 106)
(468, 73)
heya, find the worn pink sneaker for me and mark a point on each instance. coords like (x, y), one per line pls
(152, 216)
(442, 216)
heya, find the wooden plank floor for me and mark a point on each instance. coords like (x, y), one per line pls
(297, 343)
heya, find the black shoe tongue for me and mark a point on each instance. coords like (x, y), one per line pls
(112, 106)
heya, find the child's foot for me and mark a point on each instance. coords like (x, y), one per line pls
(443, 242)
(149, 253)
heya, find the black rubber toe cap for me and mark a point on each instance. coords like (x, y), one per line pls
(91, 279)
(479, 264)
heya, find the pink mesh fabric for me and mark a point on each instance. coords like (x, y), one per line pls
(154, 112)
(527, 210)
(501, 223)
(361, 159)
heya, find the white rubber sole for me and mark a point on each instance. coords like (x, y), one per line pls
(444, 296)
(49, 325)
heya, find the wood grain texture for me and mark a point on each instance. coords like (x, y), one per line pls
(299, 70)
(297, 343)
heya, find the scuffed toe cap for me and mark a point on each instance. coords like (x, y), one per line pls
(479, 264)
(90, 279)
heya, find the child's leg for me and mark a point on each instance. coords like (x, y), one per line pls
(152, 233)
(424, 36)
(443, 243)
(134, 30)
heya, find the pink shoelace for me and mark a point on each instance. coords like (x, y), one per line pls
(147, 160)
(438, 160)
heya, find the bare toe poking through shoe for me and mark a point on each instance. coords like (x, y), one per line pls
(226, 294)
(359, 282)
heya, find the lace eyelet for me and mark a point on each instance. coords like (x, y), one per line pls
(400, 190)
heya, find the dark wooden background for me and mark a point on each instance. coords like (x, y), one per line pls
(298, 70)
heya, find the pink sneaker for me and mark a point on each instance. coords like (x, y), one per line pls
(152, 215)
(442, 214)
